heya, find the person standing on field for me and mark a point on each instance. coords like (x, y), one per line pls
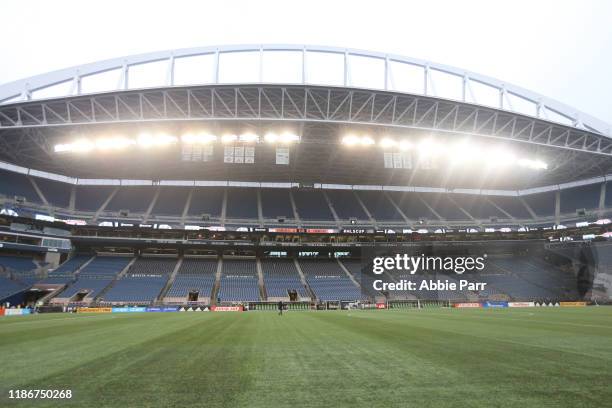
(280, 307)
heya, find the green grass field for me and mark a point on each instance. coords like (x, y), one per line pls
(559, 357)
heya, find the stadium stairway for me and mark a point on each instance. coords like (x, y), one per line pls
(78, 270)
(349, 274)
(50, 298)
(120, 275)
(60, 288)
(170, 281)
(263, 294)
(303, 279)
(215, 292)
(47, 298)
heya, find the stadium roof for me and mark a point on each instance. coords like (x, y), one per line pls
(318, 93)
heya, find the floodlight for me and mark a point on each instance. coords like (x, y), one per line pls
(113, 143)
(500, 157)
(463, 151)
(104, 144)
(405, 145)
(121, 142)
(229, 138)
(533, 164)
(145, 140)
(288, 137)
(164, 139)
(60, 148)
(188, 138)
(367, 141)
(271, 137)
(82, 145)
(350, 140)
(249, 137)
(428, 148)
(201, 138)
(206, 138)
(386, 142)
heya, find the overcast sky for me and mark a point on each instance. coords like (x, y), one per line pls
(562, 49)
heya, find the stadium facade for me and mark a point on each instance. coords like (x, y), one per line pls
(259, 173)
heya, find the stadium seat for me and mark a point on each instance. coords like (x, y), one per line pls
(143, 282)
(96, 276)
(281, 276)
(328, 281)
(194, 275)
(239, 281)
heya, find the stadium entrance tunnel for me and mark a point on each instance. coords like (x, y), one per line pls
(80, 296)
(32, 296)
(193, 296)
(293, 296)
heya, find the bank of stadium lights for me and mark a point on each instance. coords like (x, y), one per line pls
(390, 143)
(147, 140)
(152, 140)
(353, 140)
(462, 152)
(249, 138)
(229, 138)
(144, 140)
(199, 138)
(285, 138)
(533, 164)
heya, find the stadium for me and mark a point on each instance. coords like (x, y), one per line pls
(252, 178)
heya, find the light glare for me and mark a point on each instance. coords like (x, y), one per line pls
(200, 138)
(229, 138)
(350, 140)
(386, 142)
(271, 137)
(249, 138)
(288, 137)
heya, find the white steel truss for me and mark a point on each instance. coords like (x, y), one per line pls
(543, 107)
(300, 103)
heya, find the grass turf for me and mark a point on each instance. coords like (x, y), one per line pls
(548, 357)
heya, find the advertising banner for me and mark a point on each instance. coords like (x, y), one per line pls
(467, 305)
(94, 310)
(162, 309)
(129, 309)
(381, 306)
(16, 312)
(1, 311)
(491, 303)
(572, 304)
(520, 304)
(226, 308)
